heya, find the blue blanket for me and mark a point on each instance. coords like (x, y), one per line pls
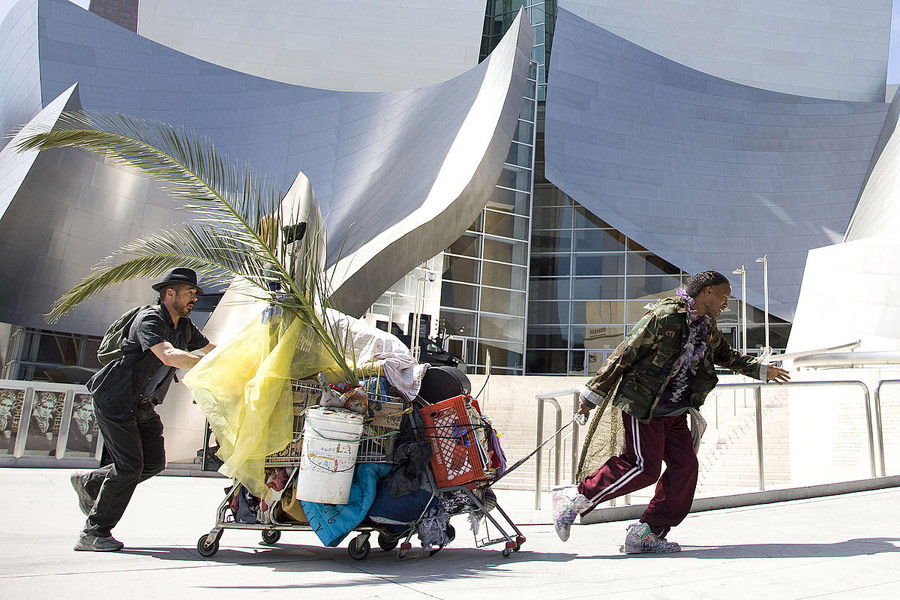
(332, 522)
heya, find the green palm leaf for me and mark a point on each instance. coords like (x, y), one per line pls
(236, 231)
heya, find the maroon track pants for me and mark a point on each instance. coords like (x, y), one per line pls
(647, 445)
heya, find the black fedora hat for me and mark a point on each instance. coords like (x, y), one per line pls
(178, 275)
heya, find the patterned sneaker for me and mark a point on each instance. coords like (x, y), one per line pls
(85, 501)
(88, 542)
(641, 540)
(567, 505)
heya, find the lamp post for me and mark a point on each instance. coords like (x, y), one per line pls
(427, 275)
(743, 273)
(765, 262)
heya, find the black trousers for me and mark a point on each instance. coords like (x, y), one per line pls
(137, 449)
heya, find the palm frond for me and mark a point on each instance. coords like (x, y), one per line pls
(238, 227)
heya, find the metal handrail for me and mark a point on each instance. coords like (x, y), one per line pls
(759, 437)
(878, 424)
(557, 456)
(757, 386)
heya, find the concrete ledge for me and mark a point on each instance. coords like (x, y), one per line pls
(623, 513)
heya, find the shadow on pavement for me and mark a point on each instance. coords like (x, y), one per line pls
(378, 567)
(854, 547)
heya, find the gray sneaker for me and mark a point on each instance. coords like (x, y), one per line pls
(567, 505)
(641, 540)
(85, 501)
(89, 542)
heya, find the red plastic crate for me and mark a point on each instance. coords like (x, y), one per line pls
(455, 458)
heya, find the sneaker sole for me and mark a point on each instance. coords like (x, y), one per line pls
(625, 550)
(82, 549)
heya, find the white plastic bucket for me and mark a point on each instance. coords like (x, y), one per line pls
(330, 444)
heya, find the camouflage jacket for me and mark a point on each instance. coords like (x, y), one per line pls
(637, 372)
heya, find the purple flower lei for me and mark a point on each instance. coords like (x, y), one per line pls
(698, 328)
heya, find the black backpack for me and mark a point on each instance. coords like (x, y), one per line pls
(111, 345)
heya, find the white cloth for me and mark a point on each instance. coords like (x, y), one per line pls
(403, 372)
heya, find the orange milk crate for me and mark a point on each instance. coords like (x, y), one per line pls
(455, 457)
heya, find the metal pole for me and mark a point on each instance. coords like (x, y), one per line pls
(765, 262)
(539, 458)
(557, 450)
(871, 435)
(576, 404)
(878, 426)
(744, 305)
(759, 438)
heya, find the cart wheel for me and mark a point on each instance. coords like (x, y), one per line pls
(359, 547)
(270, 536)
(387, 542)
(404, 550)
(206, 549)
(507, 552)
(519, 541)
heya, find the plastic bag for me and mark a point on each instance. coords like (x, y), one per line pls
(244, 389)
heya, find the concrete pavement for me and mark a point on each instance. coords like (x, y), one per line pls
(844, 546)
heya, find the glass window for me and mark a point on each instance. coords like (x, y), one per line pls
(597, 338)
(500, 275)
(466, 245)
(552, 217)
(546, 361)
(460, 269)
(503, 302)
(550, 266)
(598, 311)
(505, 251)
(599, 264)
(637, 309)
(548, 337)
(599, 240)
(576, 363)
(556, 288)
(598, 288)
(548, 313)
(519, 154)
(649, 264)
(524, 133)
(550, 196)
(458, 295)
(509, 201)
(526, 112)
(585, 218)
(552, 241)
(458, 323)
(503, 355)
(640, 286)
(506, 225)
(501, 328)
(516, 178)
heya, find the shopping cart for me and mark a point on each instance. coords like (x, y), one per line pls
(460, 470)
(375, 446)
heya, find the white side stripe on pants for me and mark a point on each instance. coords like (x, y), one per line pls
(631, 473)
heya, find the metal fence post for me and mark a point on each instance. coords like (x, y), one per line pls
(757, 394)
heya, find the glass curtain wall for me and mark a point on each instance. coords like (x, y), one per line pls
(485, 275)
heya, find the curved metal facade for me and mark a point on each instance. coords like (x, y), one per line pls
(350, 45)
(836, 49)
(704, 172)
(399, 158)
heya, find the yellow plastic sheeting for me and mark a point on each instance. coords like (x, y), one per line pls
(243, 388)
